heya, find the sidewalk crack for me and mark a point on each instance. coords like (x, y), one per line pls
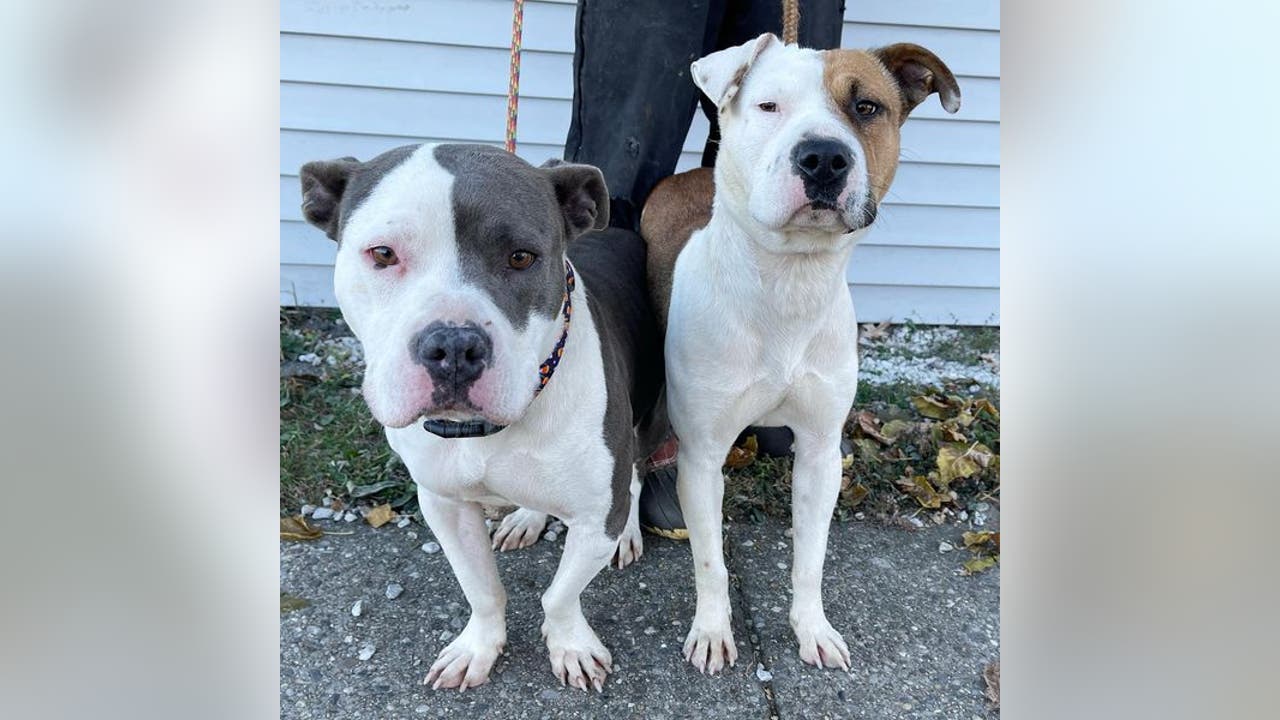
(753, 634)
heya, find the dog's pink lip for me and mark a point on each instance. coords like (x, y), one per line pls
(820, 215)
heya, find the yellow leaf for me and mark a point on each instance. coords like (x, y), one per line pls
(869, 451)
(380, 515)
(894, 428)
(932, 406)
(854, 494)
(945, 432)
(297, 528)
(984, 405)
(923, 491)
(289, 603)
(979, 564)
(983, 542)
(743, 455)
(959, 460)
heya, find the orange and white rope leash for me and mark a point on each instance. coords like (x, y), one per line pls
(513, 88)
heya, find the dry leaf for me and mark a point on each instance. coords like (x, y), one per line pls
(289, 603)
(297, 528)
(854, 494)
(983, 542)
(379, 516)
(743, 455)
(944, 432)
(984, 405)
(866, 422)
(872, 332)
(980, 564)
(933, 406)
(991, 676)
(958, 460)
(870, 452)
(894, 429)
(923, 491)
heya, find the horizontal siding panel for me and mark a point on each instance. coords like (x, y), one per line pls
(927, 305)
(937, 267)
(960, 185)
(445, 68)
(312, 286)
(966, 52)
(976, 14)
(482, 23)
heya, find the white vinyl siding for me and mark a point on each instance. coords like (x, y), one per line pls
(359, 77)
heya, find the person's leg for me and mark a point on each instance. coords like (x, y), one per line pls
(821, 22)
(633, 98)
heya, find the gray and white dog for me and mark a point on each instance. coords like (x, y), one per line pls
(511, 356)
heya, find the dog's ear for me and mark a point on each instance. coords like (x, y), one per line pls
(919, 73)
(721, 73)
(323, 183)
(583, 197)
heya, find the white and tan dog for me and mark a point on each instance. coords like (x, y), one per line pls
(761, 328)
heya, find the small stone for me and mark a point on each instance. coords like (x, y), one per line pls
(776, 608)
(859, 516)
(945, 547)
(748, 543)
(446, 636)
(550, 536)
(321, 513)
(308, 509)
(309, 358)
(404, 522)
(413, 535)
(915, 521)
(394, 590)
(782, 566)
(357, 608)
(964, 515)
(763, 675)
(549, 695)
(422, 709)
(790, 532)
(456, 623)
(367, 652)
(650, 630)
(882, 563)
(349, 516)
(327, 502)
(982, 506)
(979, 519)
(431, 548)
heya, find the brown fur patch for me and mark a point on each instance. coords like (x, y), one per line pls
(855, 75)
(678, 206)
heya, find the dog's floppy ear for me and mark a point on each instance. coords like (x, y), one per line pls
(581, 192)
(721, 73)
(323, 183)
(920, 73)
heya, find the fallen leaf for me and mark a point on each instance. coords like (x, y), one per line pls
(289, 603)
(932, 406)
(854, 494)
(984, 405)
(380, 515)
(297, 528)
(923, 491)
(360, 491)
(869, 450)
(944, 432)
(960, 460)
(866, 422)
(894, 429)
(987, 542)
(991, 676)
(981, 564)
(743, 455)
(872, 332)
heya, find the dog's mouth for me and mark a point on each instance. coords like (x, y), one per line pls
(459, 421)
(824, 215)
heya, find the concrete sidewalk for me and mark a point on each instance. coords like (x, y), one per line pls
(919, 633)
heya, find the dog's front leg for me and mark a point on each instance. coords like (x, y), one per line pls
(815, 485)
(700, 485)
(460, 528)
(577, 655)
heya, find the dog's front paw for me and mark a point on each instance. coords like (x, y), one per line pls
(820, 644)
(578, 658)
(467, 660)
(630, 546)
(709, 646)
(519, 529)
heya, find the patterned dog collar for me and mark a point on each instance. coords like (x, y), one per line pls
(480, 428)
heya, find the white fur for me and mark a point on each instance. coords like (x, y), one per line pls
(762, 331)
(551, 459)
(754, 161)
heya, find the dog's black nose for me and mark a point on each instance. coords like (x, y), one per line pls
(822, 160)
(454, 355)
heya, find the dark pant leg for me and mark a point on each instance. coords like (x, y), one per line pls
(633, 97)
(821, 22)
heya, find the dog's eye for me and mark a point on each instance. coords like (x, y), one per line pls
(768, 106)
(383, 256)
(521, 259)
(866, 109)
